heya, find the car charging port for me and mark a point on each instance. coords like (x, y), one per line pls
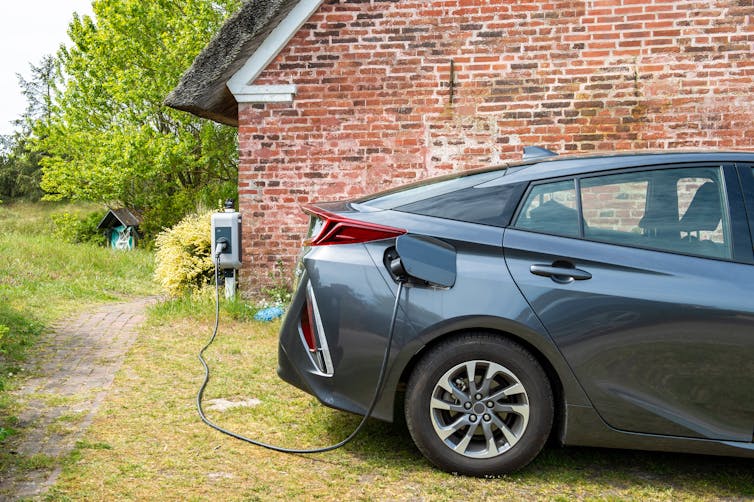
(394, 265)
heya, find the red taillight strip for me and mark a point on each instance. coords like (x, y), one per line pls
(340, 230)
(307, 327)
(313, 334)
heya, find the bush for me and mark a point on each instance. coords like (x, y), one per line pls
(78, 229)
(184, 256)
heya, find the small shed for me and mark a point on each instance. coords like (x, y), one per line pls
(121, 228)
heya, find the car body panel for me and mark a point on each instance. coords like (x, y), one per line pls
(586, 428)
(355, 306)
(661, 343)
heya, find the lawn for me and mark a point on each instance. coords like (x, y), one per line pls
(147, 441)
(43, 279)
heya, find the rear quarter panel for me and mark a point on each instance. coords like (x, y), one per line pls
(484, 297)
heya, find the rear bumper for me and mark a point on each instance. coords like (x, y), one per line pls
(355, 318)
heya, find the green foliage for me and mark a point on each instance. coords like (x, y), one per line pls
(18, 330)
(202, 305)
(5, 433)
(20, 173)
(76, 229)
(110, 139)
(20, 170)
(239, 310)
(280, 293)
(184, 256)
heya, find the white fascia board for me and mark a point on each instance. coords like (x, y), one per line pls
(266, 94)
(240, 84)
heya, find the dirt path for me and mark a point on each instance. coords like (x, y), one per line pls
(69, 374)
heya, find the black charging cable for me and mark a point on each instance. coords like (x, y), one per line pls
(377, 392)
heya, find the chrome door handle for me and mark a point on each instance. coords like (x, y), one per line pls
(560, 274)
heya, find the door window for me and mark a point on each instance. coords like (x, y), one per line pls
(550, 208)
(679, 210)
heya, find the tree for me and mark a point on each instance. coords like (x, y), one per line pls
(109, 138)
(19, 168)
(20, 171)
(38, 90)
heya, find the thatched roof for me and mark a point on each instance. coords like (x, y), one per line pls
(202, 90)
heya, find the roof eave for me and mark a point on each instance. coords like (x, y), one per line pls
(203, 89)
(227, 114)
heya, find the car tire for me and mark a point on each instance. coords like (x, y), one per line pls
(470, 426)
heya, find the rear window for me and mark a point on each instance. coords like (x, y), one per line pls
(463, 198)
(484, 205)
(427, 189)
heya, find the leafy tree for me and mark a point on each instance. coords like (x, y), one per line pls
(20, 172)
(110, 139)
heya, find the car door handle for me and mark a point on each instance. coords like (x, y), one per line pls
(560, 274)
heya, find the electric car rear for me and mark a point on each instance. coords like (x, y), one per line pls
(603, 301)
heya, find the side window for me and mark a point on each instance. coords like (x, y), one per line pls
(679, 210)
(551, 208)
(613, 207)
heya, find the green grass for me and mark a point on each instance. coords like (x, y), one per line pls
(157, 444)
(43, 279)
(26, 463)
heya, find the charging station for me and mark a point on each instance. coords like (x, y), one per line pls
(226, 245)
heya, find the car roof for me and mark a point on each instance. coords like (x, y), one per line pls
(556, 166)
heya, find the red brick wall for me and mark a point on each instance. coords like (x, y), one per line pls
(375, 106)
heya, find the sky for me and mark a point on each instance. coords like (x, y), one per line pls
(28, 31)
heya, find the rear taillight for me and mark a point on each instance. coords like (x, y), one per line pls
(312, 333)
(335, 229)
(307, 327)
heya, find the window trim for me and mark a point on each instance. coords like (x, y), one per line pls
(729, 194)
(743, 173)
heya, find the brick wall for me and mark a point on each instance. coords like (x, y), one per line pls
(390, 91)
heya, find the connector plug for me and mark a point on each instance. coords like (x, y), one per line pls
(222, 245)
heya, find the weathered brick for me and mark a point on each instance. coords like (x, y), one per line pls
(373, 106)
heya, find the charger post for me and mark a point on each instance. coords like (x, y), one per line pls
(226, 245)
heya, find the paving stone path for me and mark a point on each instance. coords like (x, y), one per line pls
(69, 374)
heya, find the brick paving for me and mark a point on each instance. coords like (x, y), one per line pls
(69, 374)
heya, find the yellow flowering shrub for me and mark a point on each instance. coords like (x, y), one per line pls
(183, 257)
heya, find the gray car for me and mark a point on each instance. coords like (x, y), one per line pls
(599, 301)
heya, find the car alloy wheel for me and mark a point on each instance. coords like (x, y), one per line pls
(479, 404)
(479, 409)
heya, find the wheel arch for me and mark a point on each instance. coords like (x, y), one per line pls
(564, 387)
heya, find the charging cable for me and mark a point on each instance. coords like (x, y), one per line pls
(370, 410)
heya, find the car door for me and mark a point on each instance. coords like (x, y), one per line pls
(646, 288)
